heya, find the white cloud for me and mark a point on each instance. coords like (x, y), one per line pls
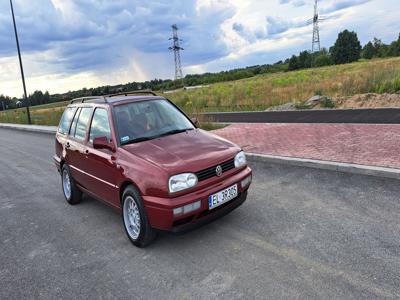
(70, 44)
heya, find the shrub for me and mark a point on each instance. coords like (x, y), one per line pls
(327, 103)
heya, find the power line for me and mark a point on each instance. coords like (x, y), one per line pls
(176, 48)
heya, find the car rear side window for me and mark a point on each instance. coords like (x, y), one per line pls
(66, 119)
(74, 121)
(100, 125)
(81, 125)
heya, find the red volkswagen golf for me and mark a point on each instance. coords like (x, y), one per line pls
(144, 157)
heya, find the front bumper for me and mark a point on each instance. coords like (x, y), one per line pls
(160, 210)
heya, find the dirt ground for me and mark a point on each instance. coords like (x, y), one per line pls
(369, 100)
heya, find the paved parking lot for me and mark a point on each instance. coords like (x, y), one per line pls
(303, 233)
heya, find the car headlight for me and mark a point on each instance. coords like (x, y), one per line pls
(240, 159)
(181, 182)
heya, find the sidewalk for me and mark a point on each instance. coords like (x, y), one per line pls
(31, 128)
(361, 149)
(363, 144)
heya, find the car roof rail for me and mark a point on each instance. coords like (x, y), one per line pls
(88, 98)
(138, 92)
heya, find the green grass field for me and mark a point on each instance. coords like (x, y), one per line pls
(264, 91)
(261, 92)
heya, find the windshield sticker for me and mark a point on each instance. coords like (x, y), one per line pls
(125, 138)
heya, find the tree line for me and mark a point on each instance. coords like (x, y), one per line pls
(346, 49)
(37, 98)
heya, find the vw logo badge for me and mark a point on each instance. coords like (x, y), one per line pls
(218, 171)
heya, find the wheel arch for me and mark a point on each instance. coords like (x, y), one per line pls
(124, 185)
(62, 162)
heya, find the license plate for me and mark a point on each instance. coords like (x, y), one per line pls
(222, 197)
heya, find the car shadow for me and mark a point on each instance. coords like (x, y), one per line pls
(164, 240)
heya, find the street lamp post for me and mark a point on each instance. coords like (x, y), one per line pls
(20, 64)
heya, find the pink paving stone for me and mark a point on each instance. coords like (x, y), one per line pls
(364, 144)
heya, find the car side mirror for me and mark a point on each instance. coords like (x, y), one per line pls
(195, 121)
(102, 142)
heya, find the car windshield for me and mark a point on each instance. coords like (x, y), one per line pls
(146, 120)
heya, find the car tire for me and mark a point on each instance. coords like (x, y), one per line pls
(71, 192)
(134, 218)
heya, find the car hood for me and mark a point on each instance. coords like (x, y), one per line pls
(188, 151)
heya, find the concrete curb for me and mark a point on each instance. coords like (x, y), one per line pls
(353, 116)
(263, 158)
(30, 128)
(326, 165)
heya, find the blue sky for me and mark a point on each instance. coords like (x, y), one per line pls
(71, 44)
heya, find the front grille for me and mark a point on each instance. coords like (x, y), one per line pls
(211, 172)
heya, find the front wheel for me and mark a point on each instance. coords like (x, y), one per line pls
(134, 218)
(71, 192)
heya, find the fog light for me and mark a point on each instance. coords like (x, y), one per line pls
(187, 208)
(245, 182)
(191, 207)
(178, 211)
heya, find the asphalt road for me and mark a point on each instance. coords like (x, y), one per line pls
(303, 233)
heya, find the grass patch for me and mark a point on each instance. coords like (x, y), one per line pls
(39, 115)
(266, 90)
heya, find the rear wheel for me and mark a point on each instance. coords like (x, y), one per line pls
(71, 192)
(134, 218)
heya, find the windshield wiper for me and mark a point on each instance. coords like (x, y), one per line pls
(147, 138)
(175, 131)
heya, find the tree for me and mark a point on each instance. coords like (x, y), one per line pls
(382, 50)
(347, 48)
(6, 102)
(322, 58)
(378, 45)
(46, 97)
(36, 98)
(293, 63)
(394, 48)
(369, 51)
(304, 60)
